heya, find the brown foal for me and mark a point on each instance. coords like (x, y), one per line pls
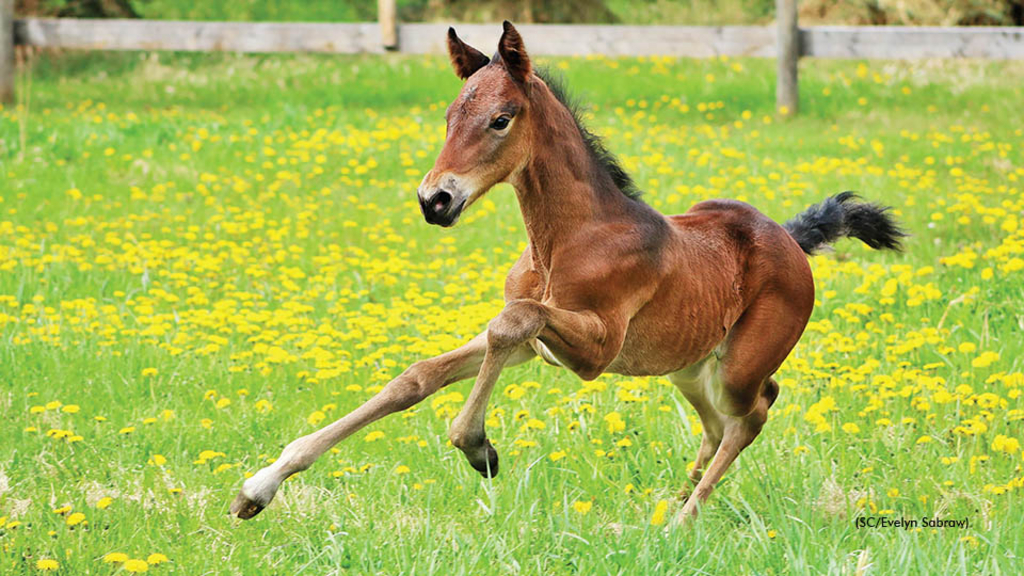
(715, 298)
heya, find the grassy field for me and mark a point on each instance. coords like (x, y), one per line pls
(202, 258)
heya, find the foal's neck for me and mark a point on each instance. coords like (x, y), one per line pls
(562, 188)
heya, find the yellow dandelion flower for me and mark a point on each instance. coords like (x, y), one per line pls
(402, 469)
(582, 506)
(149, 372)
(73, 519)
(115, 557)
(156, 558)
(104, 503)
(1006, 444)
(556, 456)
(535, 424)
(660, 509)
(135, 566)
(515, 391)
(373, 436)
(47, 564)
(615, 422)
(985, 359)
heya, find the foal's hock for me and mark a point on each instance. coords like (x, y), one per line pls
(714, 299)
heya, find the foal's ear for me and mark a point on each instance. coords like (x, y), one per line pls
(513, 53)
(465, 59)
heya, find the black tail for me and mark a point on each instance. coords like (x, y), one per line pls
(837, 217)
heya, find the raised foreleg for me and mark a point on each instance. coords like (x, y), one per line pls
(414, 384)
(588, 343)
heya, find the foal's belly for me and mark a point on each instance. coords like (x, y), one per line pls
(656, 345)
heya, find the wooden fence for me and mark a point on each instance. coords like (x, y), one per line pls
(785, 41)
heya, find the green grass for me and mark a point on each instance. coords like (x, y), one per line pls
(177, 231)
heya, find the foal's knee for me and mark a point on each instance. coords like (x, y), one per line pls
(520, 321)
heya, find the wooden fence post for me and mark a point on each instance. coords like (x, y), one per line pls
(787, 92)
(6, 51)
(387, 14)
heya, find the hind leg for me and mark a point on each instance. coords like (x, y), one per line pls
(691, 382)
(738, 433)
(737, 390)
(708, 446)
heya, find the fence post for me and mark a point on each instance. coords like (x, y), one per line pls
(387, 14)
(787, 46)
(6, 51)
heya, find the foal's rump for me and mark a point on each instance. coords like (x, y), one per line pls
(760, 252)
(822, 224)
(772, 276)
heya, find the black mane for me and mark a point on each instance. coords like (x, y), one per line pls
(601, 156)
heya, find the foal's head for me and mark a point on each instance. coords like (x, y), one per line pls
(488, 138)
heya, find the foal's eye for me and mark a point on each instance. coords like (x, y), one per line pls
(500, 123)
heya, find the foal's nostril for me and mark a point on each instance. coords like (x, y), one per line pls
(440, 201)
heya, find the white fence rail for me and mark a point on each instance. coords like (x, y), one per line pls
(887, 42)
(786, 41)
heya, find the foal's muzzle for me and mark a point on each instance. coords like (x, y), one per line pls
(441, 208)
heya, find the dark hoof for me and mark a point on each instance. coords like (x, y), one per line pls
(489, 467)
(245, 508)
